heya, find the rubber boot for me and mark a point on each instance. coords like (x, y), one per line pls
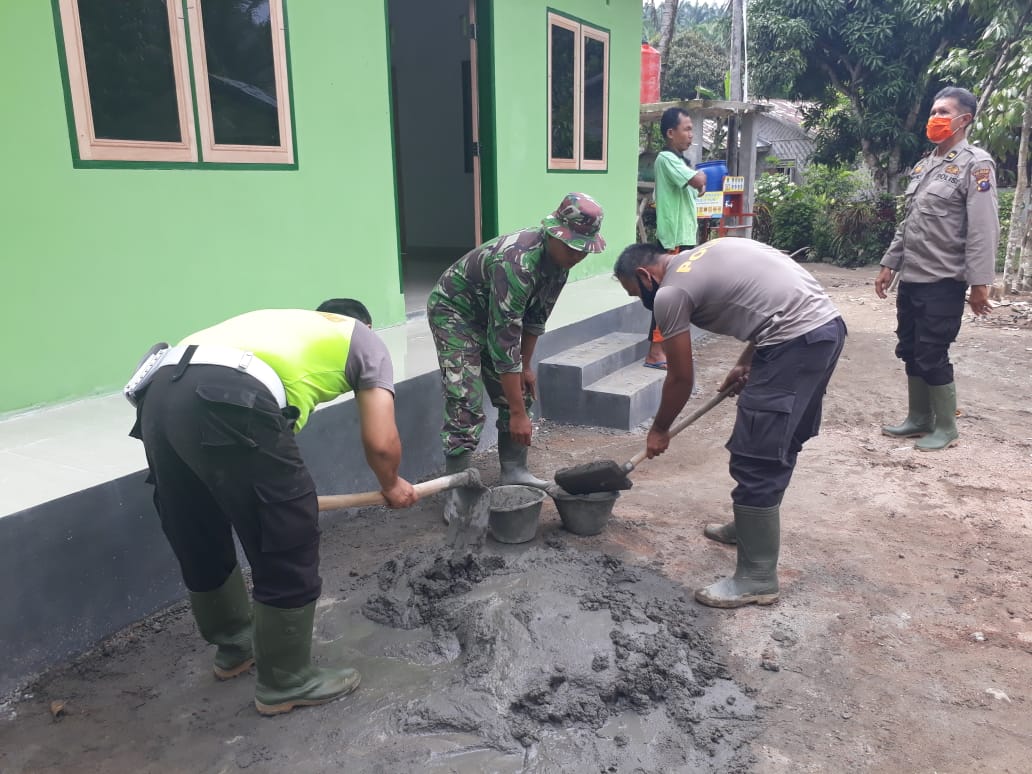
(224, 619)
(454, 464)
(944, 405)
(283, 651)
(722, 533)
(920, 419)
(513, 459)
(756, 577)
(725, 533)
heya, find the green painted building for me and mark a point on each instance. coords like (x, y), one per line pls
(171, 165)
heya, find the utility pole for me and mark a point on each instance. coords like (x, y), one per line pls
(737, 45)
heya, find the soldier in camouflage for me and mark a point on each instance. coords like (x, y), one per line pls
(486, 313)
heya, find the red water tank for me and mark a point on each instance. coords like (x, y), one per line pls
(649, 73)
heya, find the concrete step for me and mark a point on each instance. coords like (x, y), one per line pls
(601, 383)
(625, 398)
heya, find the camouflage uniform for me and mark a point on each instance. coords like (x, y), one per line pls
(486, 301)
(478, 313)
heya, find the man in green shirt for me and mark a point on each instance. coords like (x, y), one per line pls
(677, 188)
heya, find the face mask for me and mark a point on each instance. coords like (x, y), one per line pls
(940, 128)
(648, 295)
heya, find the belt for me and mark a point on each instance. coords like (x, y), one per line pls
(237, 359)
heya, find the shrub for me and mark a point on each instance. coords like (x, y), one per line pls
(793, 220)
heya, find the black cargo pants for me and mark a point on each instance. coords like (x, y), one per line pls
(223, 457)
(779, 410)
(928, 318)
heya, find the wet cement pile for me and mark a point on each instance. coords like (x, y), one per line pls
(565, 656)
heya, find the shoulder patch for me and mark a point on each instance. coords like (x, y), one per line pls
(982, 177)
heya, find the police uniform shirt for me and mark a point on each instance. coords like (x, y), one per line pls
(741, 288)
(951, 227)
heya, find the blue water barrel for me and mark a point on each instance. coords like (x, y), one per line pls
(715, 172)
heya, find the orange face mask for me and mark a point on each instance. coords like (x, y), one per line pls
(940, 128)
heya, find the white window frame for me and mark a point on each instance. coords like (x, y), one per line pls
(93, 148)
(582, 33)
(189, 150)
(242, 154)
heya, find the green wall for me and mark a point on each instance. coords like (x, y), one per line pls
(98, 264)
(526, 190)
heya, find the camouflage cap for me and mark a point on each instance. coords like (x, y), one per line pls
(576, 221)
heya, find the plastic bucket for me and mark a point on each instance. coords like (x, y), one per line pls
(715, 172)
(585, 514)
(514, 513)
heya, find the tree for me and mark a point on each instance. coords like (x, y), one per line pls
(666, 29)
(1000, 63)
(694, 65)
(867, 65)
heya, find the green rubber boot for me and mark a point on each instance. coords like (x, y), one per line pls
(920, 419)
(756, 577)
(513, 458)
(944, 405)
(224, 619)
(454, 464)
(283, 651)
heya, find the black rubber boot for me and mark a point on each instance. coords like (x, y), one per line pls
(283, 651)
(920, 418)
(756, 577)
(224, 619)
(454, 464)
(513, 458)
(944, 405)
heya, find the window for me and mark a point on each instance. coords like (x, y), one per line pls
(578, 95)
(129, 80)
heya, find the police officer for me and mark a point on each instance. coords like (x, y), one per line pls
(742, 288)
(486, 313)
(217, 421)
(945, 244)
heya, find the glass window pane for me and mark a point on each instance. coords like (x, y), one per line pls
(594, 98)
(128, 51)
(562, 93)
(241, 72)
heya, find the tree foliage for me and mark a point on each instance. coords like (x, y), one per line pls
(866, 64)
(695, 64)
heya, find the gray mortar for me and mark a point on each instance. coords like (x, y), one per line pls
(568, 655)
(545, 659)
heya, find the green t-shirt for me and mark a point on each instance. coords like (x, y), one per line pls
(676, 222)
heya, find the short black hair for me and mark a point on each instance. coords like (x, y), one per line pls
(635, 257)
(963, 97)
(349, 307)
(671, 119)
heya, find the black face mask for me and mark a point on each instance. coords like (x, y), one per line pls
(648, 295)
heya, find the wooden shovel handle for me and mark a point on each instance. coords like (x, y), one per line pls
(682, 424)
(433, 486)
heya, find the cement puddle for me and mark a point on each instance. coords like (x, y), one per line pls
(540, 659)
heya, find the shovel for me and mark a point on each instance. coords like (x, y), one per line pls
(607, 475)
(465, 533)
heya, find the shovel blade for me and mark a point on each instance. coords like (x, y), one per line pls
(468, 529)
(598, 476)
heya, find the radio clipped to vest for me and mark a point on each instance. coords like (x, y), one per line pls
(145, 371)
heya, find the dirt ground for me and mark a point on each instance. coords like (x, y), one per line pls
(902, 641)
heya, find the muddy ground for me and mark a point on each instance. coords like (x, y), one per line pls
(902, 642)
